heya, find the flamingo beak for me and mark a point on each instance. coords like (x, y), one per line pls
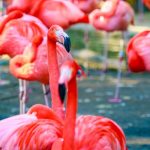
(67, 42)
(64, 39)
(65, 75)
(62, 91)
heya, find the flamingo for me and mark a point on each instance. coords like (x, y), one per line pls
(35, 68)
(107, 134)
(13, 43)
(138, 52)
(63, 13)
(147, 3)
(41, 125)
(117, 19)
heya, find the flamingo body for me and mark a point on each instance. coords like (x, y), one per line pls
(15, 37)
(59, 12)
(27, 132)
(120, 20)
(37, 69)
(86, 132)
(107, 134)
(147, 3)
(138, 52)
(86, 6)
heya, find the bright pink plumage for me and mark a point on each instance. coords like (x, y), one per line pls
(98, 133)
(28, 131)
(86, 132)
(17, 33)
(147, 3)
(41, 126)
(59, 12)
(138, 52)
(37, 69)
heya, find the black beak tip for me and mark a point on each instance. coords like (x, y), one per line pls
(67, 44)
(62, 92)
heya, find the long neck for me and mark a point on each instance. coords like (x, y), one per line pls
(7, 18)
(53, 69)
(71, 110)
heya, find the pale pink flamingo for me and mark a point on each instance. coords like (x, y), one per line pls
(138, 52)
(119, 20)
(85, 132)
(18, 32)
(60, 12)
(37, 129)
(120, 16)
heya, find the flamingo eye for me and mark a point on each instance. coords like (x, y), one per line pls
(79, 73)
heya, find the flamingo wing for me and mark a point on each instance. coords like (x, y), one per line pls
(138, 52)
(98, 133)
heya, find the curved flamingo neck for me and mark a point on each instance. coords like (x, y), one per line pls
(53, 69)
(14, 15)
(112, 9)
(71, 110)
(44, 112)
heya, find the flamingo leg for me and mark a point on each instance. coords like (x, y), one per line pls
(46, 92)
(121, 56)
(118, 79)
(105, 60)
(2, 81)
(125, 36)
(86, 40)
(23, 95)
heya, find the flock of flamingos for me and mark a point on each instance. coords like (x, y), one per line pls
(33, 34)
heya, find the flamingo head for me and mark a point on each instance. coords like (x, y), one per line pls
(57, 34)
(69, 70)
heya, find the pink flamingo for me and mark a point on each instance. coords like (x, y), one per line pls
(22, 37)
(35, 68)
(138, 52)
(41, 126)
(147, 3)
(108, 135)
(63, 13)
(120, 16)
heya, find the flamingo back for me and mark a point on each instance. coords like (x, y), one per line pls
(16, 35)
(98, 133)
(138, 52)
